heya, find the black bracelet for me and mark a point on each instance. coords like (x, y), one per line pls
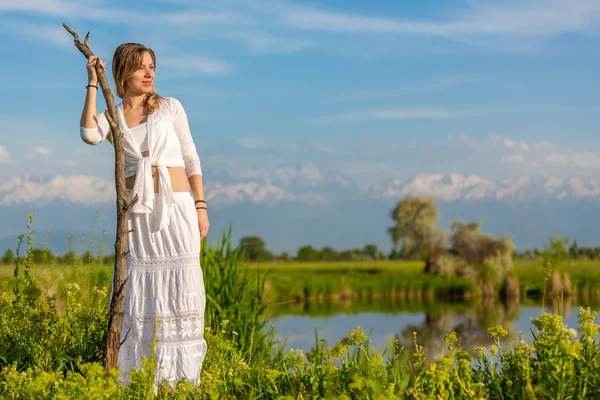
(94, 86)
(199, 201)
(200, 208)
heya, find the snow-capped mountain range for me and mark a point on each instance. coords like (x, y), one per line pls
(299, 204)
(307, 183)
(455, 186)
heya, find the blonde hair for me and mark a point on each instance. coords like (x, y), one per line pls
(127, 59)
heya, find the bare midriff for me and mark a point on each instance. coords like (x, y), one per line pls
(179, 180)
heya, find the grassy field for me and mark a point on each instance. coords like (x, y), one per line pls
(405, 280)
(377, 280)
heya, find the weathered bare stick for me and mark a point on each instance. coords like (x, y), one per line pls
(117, 304)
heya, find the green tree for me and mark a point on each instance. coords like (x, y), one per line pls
(477, 249)
(415, 231)
(555, 251)
(88, 257)
(307, 253)
(574, 250)
(328, 254)
(265, 255)
(466, 242)
(370, 250)
(253, 247)
(347, 255)
(395, 254)
(8, 257)
(40, 255)
(69, 257)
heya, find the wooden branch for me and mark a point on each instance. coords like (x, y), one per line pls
(117, 304)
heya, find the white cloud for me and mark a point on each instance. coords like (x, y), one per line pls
(81, 189)
(281, 26)
(492, 142)
(560, 160)
(536, 155)
(197, 65)
(516, 158)
(392, 113)
(200, 17)
(431, 85)
(403, 113)
(5, 156)
(68, 163)
(528, 18)
(52, 7)
(564, 158)
(264, 42)
(41, 151)
(38, 33)
(73, 10)
(38, 151)
(254, 142)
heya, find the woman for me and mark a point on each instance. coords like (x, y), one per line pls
(165, 284)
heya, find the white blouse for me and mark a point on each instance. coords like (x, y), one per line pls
(141, 135)
(170, 144)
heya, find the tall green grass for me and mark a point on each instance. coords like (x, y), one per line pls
(53, 354)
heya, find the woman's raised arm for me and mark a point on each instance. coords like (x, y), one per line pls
(93, 127)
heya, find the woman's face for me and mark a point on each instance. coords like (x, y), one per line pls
(142, 81)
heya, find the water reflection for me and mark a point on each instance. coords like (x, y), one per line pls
(470, 325)
(386, 321)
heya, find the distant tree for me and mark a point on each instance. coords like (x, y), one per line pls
(415, 232)
(8, 257)
(395, 254)
(555, 251)
(527, 254)
(88, 257)
(265, 255)
(467, 242)
(477, 249)
(370, 250)
(41, 255)
(109, 259)
(347, 255)
(307, 253)
(69, 257)
(574, 250)
(284, 257)
(252, 246)
(328, 254)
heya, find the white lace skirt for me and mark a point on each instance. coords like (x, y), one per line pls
(165, 288)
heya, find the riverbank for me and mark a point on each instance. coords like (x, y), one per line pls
(405, 281)
(401, 281)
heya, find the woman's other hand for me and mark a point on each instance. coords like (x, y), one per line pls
(203, 223)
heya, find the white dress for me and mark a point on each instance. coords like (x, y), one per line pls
(165, 286)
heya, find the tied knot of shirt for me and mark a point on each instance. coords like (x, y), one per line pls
(159, 204)
(147, 199)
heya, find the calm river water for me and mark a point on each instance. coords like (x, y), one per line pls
(383, 323)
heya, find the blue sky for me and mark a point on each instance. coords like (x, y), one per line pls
(497, 88)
